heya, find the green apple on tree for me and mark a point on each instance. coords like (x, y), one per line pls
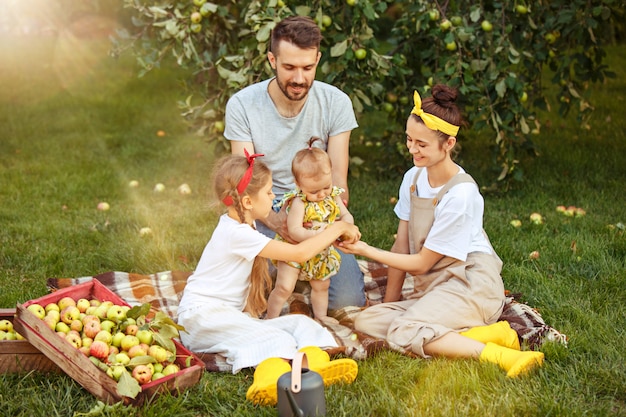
(486, 26)
(360, 53)
(445, 25)
(199, 3)
(196, 17)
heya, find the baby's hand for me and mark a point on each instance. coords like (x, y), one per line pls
(355, 248)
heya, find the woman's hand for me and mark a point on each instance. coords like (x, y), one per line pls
(351, 233)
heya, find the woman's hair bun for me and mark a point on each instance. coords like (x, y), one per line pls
(444, 96)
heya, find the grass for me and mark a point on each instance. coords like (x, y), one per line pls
(77, 126)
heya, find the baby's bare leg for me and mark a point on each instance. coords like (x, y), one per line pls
(286, 279)
(319, 300)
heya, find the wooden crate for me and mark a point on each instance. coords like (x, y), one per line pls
(19, 356)
(81, 369)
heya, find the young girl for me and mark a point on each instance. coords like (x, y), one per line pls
(316, 203)
(226, 294)
(440, 240)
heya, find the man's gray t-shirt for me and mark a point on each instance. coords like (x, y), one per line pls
(252, 117)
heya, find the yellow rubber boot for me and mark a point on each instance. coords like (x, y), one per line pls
(263, 390)
(499, 333)
(513, 361)
(339, 370)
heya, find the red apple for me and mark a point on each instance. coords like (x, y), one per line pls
(99, 349)
(66, 302)
(104, 336)
(142, 374)
(92, 328)
(132, 329)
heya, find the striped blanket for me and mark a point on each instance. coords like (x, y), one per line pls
(164, 289)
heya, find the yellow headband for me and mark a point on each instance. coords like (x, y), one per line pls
(430, 120)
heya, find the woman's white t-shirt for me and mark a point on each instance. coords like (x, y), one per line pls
(223, 273)
(458, 226)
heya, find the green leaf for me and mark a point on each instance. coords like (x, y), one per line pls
(138, 311)
(141, 360)
(166, 342)
(128, 386)
(501, 88)
(339, 49)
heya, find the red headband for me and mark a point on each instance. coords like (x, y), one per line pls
(245, 180)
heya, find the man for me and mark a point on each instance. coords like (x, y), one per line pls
(278, 116)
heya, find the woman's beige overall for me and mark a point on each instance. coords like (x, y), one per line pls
(453, 296)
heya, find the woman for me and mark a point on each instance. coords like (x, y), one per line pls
(459, 293)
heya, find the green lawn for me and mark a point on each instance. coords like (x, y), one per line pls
(77, 126)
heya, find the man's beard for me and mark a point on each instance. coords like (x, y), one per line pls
(284, 88)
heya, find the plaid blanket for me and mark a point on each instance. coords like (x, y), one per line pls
(164, 289)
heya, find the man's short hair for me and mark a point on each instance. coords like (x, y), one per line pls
(301, 31)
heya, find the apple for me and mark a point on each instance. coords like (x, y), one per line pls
(451, 46)
(524, 97)
(536, 218)
(62, 327)
(184, 189)
(360, 53)
(142, 374)
(388, 107)
(560, 209)
(159, 353)
(172, 368)
(116, 371)
(6, 325)
(145, 336)
(52, 307)
(37, 310)
(133, 183)
(3, 335)
(580, 212)
(128, 341)
(84, 350)
(91, 328)
(351, 2)
(157, 375)
(107, 325)
(218, 126)
(74, 339)
(99, 349)
(195, 27)
(445, 25)
(209, 8)
(66, 302)
(516, 223)
(95, 302)
(51, 322)
(145, 231)
(433, 14)
(89, 317)
(327, 20)
(117, 339)
(196, 17)
(131, 329)
(521, 9)
(158, 367)
(137, 350)
(116, 314)
(122, 358)
(199, 3)
(103, 206)
(69, 314)
(76, 325)
(486, 26)
(159, 188)
(534, 255)
(550, 38)
(55, 315)
(83, 304)
(87, 341)
(113, 350)
(456, 20)
(104, 336)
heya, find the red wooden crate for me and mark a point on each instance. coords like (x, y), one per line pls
(80, 368)
(19, 356)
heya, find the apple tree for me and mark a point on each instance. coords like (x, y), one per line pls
(380, 51)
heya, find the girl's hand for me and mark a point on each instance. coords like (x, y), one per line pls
(355, 248)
